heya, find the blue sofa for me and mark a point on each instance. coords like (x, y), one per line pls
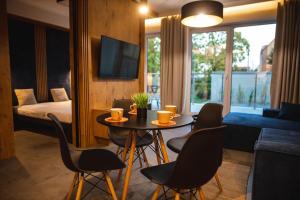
(275, 138)
(275, 173)
(243, 129)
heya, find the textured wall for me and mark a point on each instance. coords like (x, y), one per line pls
(22, 55)
(58, 62)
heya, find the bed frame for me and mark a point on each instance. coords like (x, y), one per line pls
(42, 126)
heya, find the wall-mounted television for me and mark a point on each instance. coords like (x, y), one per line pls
(118, 59)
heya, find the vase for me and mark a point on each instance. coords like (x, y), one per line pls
(142, 113)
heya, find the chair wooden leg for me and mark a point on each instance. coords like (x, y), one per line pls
(145, 157)
(218, 182)
(72, 186)
(139, 157)
(163, 147)
(201, 194)
(124, 154)
(110, 186)
(177, 196)
(129, 165)
(155, 140)
(118, 150)
(156, 193)
(80, 186)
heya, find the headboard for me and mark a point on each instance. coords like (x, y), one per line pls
(58, 62)
(22, 56)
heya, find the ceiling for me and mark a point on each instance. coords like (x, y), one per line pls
(167, 7)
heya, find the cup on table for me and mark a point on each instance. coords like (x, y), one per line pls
(133, 108)
(172, 109)
(116, 113)
(164, 116)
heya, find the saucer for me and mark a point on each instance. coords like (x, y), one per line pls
(171, 123)
(177, 115)
(132, 113)
(109, 119)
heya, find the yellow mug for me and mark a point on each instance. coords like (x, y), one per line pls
(164, 117)
(172, 109)
(133, 107)
(116, 114)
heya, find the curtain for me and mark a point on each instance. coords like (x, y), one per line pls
(285, 84)
(172, 73)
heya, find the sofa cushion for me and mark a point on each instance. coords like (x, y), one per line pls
(290, 111)
(281, 141)
(258, 121)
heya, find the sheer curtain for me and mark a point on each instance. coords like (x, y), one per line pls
(173, 62)
(285, 85)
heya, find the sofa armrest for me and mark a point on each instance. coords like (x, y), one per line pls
(276, 171)
(278, 147)
(267, 112)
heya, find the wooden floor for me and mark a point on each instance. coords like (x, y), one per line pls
(37, 172)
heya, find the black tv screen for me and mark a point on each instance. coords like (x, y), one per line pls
(118, 59)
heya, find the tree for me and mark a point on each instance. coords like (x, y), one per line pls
(153, 55)
(241, 49)
(209, 55)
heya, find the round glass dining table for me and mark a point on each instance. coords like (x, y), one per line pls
(133, 125)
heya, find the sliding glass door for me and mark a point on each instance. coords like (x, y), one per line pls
(153, 70)
(251, 68)
(207, 68)
(232, 66)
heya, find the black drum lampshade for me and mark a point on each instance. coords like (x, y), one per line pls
(202, 13)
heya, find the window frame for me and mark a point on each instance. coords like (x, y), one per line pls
(229, 29)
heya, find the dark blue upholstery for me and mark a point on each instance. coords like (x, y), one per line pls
(276, 172)
(258, 121)
(243, 129)
(290, 111)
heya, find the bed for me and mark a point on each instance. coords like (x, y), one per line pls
(34, 117)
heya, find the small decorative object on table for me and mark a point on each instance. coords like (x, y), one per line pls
(141, 101)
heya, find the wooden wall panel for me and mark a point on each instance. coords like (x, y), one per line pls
(41, 63)
(117, 19)
(80, 73)
(6, 119)
(89, 20)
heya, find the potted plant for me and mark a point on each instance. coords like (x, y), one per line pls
(141, 101)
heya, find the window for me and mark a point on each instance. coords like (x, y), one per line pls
(237, 75)
(208, 65)
(251, 68)
(153, 70)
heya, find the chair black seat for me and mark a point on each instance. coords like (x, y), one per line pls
(176, 144)
(141, 141)
(96, 160)
(209, 116)
(159, 174)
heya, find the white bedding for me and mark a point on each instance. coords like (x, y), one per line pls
(62, 110)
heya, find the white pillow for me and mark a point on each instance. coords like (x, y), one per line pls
(25, 96)
(59, 94)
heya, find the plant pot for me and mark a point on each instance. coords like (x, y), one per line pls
(142, 113)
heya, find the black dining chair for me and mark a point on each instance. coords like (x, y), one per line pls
(209, 116)
(191, 170)
(85, 162)
(119, 136)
